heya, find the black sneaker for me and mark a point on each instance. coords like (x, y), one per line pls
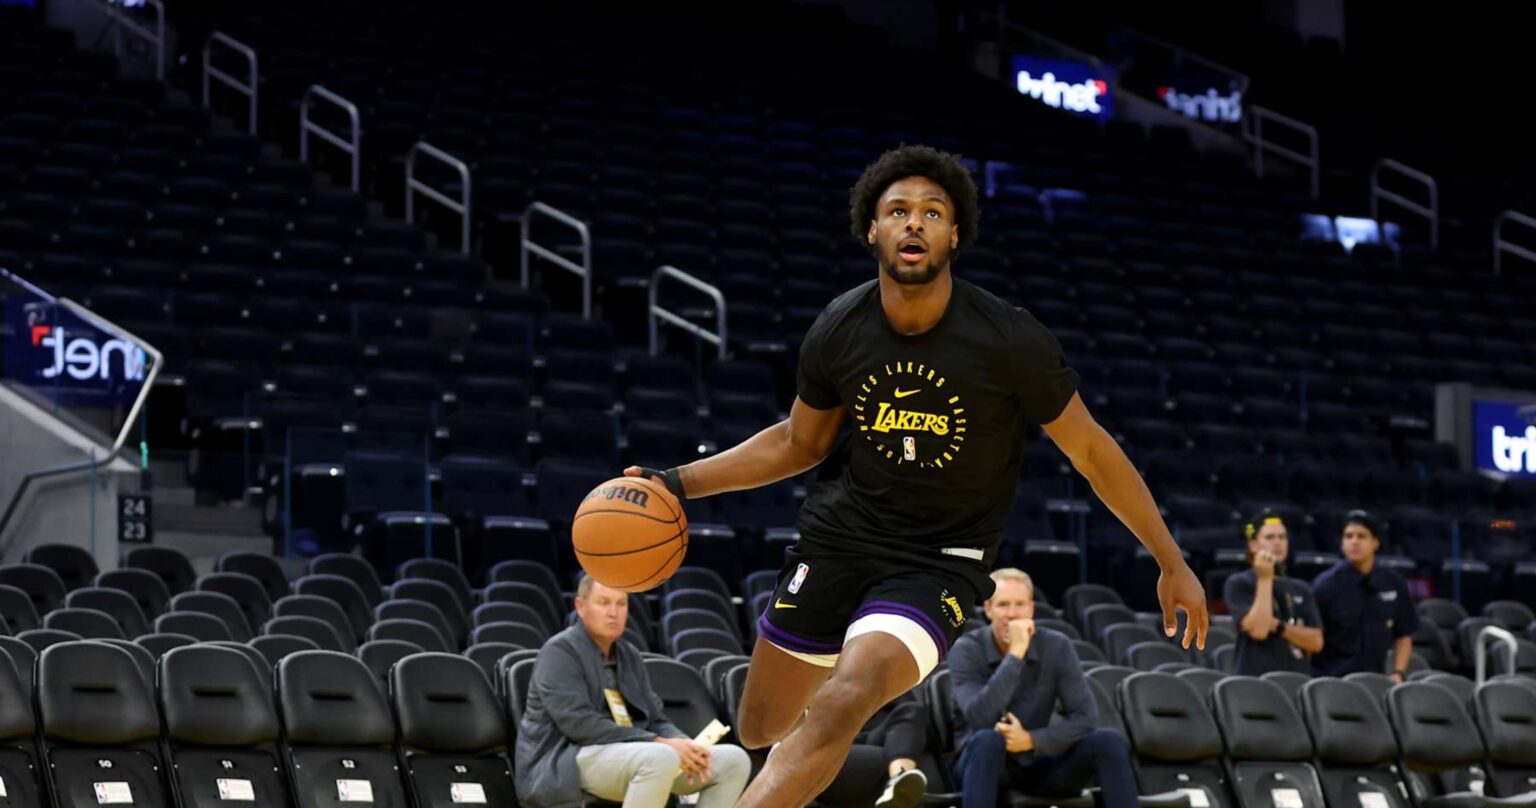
(905, 790)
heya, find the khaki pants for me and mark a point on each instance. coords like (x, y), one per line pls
(643, 774)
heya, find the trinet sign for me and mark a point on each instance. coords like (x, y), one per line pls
(1505, 436)
(1076, 87)
(67, 360)
(86, 357)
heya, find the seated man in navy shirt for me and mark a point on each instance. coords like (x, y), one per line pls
(1276, 616)
(1007, 681)
(1366, 608)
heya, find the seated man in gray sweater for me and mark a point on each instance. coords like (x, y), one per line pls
(592, 723)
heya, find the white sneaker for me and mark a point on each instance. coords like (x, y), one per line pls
(905, 790)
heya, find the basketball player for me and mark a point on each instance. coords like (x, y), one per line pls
(939, 378)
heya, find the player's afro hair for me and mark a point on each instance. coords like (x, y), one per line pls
(916, 161)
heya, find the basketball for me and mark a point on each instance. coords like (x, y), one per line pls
(630, 533)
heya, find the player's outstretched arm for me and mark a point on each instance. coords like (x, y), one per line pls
(785, 449)
(1096, 455)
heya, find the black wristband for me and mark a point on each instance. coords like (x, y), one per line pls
(667, 477)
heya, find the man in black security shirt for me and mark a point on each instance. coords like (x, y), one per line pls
(1276, 616)
(1366, 608)
(939, 378)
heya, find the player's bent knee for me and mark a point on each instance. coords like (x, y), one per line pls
(757, 726)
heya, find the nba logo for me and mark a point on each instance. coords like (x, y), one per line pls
(795, 582)
(909, 448)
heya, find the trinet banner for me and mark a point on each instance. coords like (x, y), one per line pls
(67, 359)
(1494, 430)
(1070, 86)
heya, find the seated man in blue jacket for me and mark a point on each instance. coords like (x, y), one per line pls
(593, 724)
(1007, 681)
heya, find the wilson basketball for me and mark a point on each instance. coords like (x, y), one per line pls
(630, 533)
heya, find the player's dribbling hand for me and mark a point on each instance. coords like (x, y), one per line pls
(1020, 632)
(1180, 589)
(667, 477)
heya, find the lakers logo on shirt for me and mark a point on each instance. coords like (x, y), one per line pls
(907, 416)
(952, 604)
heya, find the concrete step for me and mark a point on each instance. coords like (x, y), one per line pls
(235, 521)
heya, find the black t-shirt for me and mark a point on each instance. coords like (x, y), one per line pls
(937, 421)
(1292, 601)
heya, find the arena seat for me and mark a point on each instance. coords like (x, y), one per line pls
(452, 735)
(337, 730)
(221, 730)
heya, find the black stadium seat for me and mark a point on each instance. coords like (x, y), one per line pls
(100, 728)
(170, 564)
(42, 638)
(263, 668)
(345, 592)
(87, 623)
(452, 732)
(338, 733)
(18, 610)
(260, 566)
(117, 604)
(158, 644)
(1267, 743)
(321, 609)
(220, 728)
(146, 588)
(201, 626)
(23, 658)
(1176, 743)
(43, 586)
(18, 741)
(1437, 743)
(381, 655)
(277, 647)
(1506, 717)
(353, 568)
(74, 564)
(315, 630)
(219, 606)
(1356, 752)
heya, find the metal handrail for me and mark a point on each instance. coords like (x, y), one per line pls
(156, 360)
(306, 128)
(414, 186)
(718, 337)
(1184, 53)
(1004, 27)
(1500, 246)
(1253, 132)
(583, 269)
(155, 37)
(248, 88)
(1480, 651)
(1431, 212)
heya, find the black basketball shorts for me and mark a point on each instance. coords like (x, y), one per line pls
(826, 598)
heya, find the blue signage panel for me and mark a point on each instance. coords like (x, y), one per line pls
(67, 359)
(1504, 436)
(1076, 87)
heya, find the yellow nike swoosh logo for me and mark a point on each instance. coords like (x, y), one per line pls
(904, 393)
(780, 604)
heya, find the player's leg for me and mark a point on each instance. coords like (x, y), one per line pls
(799, 636)
(779, 687)
(874, 668)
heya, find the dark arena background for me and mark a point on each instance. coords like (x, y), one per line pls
(319, 319)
